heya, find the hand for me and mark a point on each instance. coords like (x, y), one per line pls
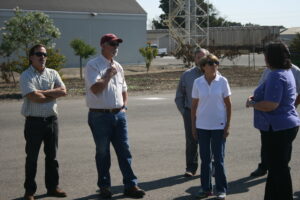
(110, 72)
(194, 133)
(248, 102)
(226, 131)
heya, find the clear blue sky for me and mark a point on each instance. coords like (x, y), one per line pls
(262, 12)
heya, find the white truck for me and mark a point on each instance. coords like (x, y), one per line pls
(161, 51)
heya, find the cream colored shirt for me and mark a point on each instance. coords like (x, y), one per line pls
(31, 80)
(111, 97)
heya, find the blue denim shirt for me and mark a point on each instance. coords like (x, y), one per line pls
(279, 88)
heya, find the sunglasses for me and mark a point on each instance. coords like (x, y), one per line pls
(40, 54)
(113, 43)
(210, 62)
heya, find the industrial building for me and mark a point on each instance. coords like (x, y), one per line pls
(289, 34)
(245, 39)
(88, 20)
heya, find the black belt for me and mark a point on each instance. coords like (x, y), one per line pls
(113, 110)
(42, 118)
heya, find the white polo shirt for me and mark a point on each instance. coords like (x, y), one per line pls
(111, 97)
(211, 111)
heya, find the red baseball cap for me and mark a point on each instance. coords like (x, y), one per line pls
(110, 37)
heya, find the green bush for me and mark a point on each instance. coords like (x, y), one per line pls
(55, 60)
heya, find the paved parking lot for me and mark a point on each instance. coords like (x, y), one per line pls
(157, 144)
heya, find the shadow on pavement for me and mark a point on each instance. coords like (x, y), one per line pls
(238, 186)
(297, 195)
(90, 197)
(242, 185)
(147, 186)
(42, 196)
(166, 182)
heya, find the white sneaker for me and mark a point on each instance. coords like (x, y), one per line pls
(221, 195)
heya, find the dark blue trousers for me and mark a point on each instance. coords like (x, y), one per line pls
(37, 131)
(278, 148)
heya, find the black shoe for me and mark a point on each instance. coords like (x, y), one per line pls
(28, 197)
(258, 172)
(105, 193)
(134, 192)
(56, 193)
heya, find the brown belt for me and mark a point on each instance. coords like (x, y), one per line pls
(113, 110)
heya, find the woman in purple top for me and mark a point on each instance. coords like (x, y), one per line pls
(276, 117)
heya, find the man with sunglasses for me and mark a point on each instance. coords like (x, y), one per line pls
(40, 87)
(183, 102)
(106, 98)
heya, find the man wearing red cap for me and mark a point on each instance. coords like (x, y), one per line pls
(106, 98)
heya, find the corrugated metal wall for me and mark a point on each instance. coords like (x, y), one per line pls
(242, 36)
(130, 27)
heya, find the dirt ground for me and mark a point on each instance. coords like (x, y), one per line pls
(159, 78)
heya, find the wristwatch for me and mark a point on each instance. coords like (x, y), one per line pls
(124, 107)
(251, 103)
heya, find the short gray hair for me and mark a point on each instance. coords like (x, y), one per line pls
(198, 50)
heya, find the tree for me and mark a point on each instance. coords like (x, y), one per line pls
(82, 50)
(6, 68)
(295, 49)
(186, 53)
(149, 54)
(214, 19)
(23, 31)
(27, 29)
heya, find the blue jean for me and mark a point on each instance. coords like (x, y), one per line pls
(111, 128)
(212, 143)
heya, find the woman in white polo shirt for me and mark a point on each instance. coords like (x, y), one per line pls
(211, 114)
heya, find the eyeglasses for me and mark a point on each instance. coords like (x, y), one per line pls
(40, 54)
(210, 62)
(113, 43)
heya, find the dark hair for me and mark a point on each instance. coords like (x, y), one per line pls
(278, 55)
(32, 50)
(203, 61)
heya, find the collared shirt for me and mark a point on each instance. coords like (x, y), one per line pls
(211, 111)
(111, 97)
(279, 88)
(183, 97)
(296, 73)
(31, 80)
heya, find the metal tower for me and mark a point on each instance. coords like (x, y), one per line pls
(186, 23)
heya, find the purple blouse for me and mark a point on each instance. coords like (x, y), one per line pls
(279, 87)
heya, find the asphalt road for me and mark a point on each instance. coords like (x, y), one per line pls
(157, 144)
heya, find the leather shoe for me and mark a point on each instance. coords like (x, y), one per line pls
(105, 193)
(28, 197)
(258, 172)
(134, 192)
(189, 174)
(56, 193)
